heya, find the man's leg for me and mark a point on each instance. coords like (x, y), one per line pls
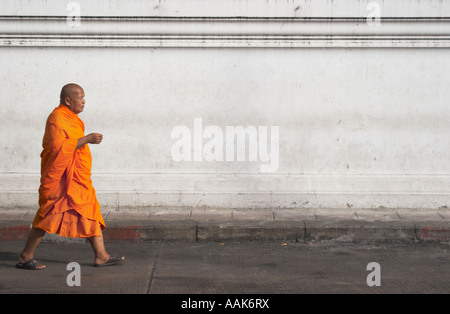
(34, 238)
(101, 256)
(98, 245)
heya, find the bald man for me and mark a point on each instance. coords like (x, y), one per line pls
(68, 204)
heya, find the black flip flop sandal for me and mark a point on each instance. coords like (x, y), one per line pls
(31, 264)
(113, 260)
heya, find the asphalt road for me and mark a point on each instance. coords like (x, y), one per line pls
(232, 268)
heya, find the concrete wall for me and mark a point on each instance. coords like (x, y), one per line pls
(362, 110)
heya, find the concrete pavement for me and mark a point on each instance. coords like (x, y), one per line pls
(299, 225)
(192, 269)
(191, 252)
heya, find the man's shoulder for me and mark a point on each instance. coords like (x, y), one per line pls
(58, 114)
(60, 119)
(54, 115)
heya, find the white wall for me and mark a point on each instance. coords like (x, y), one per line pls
(362, 111)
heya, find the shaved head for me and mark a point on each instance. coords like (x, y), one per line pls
(68, 90)
(72, 95)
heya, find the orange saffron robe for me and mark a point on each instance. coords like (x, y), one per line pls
(68, 204)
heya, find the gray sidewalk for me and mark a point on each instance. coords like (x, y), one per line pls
(190, 269)
(298, 225)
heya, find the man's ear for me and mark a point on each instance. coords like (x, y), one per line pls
(66, 101)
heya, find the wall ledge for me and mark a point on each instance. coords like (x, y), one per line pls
(226, 32)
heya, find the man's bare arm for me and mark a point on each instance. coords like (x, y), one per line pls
(93, 138)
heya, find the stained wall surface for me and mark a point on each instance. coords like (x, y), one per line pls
(337, 109)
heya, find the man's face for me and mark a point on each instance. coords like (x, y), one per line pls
(75, 101)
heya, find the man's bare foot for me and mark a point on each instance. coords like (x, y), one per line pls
(100, 259)
(107, 260)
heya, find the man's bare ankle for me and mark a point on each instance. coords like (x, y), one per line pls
(23, 257)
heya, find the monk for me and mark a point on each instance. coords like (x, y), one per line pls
(68, 205)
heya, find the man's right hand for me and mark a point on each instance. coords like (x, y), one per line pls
(95, 138)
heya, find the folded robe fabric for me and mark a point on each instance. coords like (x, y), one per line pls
(67, 200)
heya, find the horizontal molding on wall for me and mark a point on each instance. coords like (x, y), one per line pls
(238, 32)
(118, 191)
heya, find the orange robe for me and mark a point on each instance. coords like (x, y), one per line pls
(68, 204)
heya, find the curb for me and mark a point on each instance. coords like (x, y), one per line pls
(303, 231)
